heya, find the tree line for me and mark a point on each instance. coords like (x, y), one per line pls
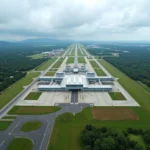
(108, 139)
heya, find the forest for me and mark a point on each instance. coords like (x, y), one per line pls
(133, 60)
(14, 61)
(109, 139)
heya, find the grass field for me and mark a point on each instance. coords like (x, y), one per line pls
(72, 52)
(33, 110)
(58, 63)
(20, 144)
(138, 139)
(94, 64)
(100, 72)
(16, 88)
(74, 125)
(31, 126)
(4, 125)
(70, 60)
(9, 117)
(33, 96)
(80, 53)
(46, 64)
(37, 56)
(50, 73)
(81, 60)
(116, 96)
(141, 95)
(53, 69)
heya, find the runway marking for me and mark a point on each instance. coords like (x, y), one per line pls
(2, 143)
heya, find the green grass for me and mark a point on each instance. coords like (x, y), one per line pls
(80, 53)
(53, 69)
(33, 110)
(144, 86)
(37, 56)
(81, 60)
(116, 96)
(100, 72)
(72, 52)
(46, 64)
(135, 90)
(138, 139)
(16, 88)
(4, 125)
(74, 125)
(50, 73)
(94, 64)
(31, 126)
(70, 60)
(33, 96)
(9, 117)
(20, 144)
(58, 63)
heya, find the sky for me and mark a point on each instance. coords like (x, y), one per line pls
(75, 19)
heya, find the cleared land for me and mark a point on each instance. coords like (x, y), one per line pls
(114, 113)
(31, 126)
(33, 110)
(4, 125)
(46, 64)
(50, 73)
(137, 138)
(20, 144)
(81, 60)
(33, 96)
(70, 60)
(100, 72)
(116, 96)
(16, 88)
(37, 56)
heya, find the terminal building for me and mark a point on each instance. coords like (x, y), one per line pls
(80, 82)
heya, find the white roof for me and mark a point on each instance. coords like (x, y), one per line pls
(74, 79)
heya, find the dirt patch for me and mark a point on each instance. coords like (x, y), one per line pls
(114, 113)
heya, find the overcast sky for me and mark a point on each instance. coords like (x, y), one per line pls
(75, 19)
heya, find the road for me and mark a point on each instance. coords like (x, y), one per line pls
(40, 137)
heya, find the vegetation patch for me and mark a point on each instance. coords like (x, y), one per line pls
(58, 63)
(53, 69)
(37, 56)
(33, 96)
(70, 60)
(31, 126)
(4, 125)
(103, 138)
(20, 144)
(94, 64)
(116, 96)
(81, 60)
(100, 72)
(33, 110)
(50, 73)
(74, 125)
(9, 117)
(138, 139)
(16, 88)
(46, 64)
(114, 113)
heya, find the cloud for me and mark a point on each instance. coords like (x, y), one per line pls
(75, 19)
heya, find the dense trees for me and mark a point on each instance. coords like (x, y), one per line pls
(107, 139)
(14, 61)
(134, 59)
